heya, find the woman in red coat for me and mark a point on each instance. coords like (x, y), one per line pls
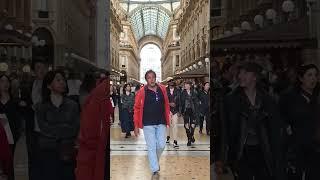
(94, 134)
(6, 161)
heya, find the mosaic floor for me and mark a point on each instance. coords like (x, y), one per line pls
(129, 157)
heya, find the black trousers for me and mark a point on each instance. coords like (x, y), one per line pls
(189, 123)
(307, 163)
(202, 119)
(252, 165)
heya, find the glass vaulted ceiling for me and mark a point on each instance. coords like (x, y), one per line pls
(150, 17)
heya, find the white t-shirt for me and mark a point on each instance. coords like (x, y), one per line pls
(74, 87)
(5, 122)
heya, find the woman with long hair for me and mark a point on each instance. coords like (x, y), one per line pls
(127, 99)
(58, 119)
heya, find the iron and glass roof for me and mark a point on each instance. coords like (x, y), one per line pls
(150, 17)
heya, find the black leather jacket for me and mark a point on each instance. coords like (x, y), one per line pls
(269, 129)
(175, 99)
(195, 102)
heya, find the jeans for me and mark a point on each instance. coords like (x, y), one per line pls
(173, 129)
(155, 137)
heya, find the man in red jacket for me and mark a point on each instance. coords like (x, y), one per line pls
(94, 134)
(151, 113)
(6, 161)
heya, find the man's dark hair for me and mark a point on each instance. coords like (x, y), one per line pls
(37, 60)
(148, 72)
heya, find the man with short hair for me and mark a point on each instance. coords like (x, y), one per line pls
(31, 95)
(151, 113)
(253, 129)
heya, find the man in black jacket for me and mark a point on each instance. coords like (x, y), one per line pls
(189, 110)
(204, 97)
(174, 102)
(253, 129)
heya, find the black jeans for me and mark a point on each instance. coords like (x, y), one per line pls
(202, 119)
(189, 123)
(52, 168)
(252, 165)
(307, 163)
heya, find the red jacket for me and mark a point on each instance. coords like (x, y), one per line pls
(94, 134)
(139, 105)
(6, 160)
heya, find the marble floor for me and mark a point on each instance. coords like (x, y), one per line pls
(129, 157)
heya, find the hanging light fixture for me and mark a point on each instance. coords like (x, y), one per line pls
(258, 20)
(288, 6)
(245, 25)
(271, 14)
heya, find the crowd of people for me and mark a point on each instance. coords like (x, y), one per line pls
(186, 99)
(265, 120)
(46, 108)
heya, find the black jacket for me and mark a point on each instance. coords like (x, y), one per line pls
(204, 102)
(195, 102)
(174, 99)
(269, 129)
(301, 115)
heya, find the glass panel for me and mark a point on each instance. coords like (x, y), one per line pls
(150, 20)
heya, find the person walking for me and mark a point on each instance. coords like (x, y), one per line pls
(93, 140)
(253, 129)
(127, 99)
(204, 97)
(151, 113)
(6, 159)
(58, 119)
(174, 102)
(300, 111)
(30, 96)
(189, 111)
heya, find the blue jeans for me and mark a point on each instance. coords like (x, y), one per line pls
(155, 137)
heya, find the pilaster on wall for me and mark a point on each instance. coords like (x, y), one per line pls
(311, 56)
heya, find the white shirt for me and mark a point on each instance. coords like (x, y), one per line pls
(36, 98)
(74, 87)
(5, 122)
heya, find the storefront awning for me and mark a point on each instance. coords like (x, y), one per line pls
(196, 73)
(293, 34)
(14, 38)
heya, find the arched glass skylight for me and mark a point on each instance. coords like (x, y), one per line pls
(150, 17)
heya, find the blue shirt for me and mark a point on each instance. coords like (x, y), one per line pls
(153, 111)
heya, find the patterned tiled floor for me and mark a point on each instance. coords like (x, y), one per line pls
(129, 157)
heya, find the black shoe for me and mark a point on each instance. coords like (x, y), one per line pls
(156, 173)
(193, 140)
(128, 135)
(175, 144)
(189, 143)
(168, 139)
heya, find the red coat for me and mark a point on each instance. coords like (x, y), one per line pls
(139, 105)
(94, 134)
(6, 160)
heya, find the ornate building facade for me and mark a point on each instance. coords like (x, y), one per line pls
(259, 28)
(193, 29)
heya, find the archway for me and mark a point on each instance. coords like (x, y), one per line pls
(123, 78)
(150, 55)
(43, 45)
